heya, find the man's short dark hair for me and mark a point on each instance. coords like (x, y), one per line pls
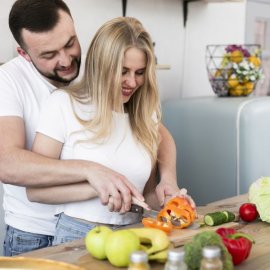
(35, 16)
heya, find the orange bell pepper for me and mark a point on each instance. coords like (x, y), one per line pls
(154, 223)
(182, 203)
(179, 218)
(177, 214)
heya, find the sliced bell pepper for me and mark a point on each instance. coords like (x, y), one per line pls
(178, 217)
(154, 223)
(238, 244)
(182, 203)
(177, 214)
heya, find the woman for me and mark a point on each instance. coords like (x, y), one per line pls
(110, 117)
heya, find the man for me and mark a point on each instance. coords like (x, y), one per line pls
(49, 58)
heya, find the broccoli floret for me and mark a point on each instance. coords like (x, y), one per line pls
(193, 250)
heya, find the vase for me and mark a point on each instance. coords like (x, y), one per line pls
(233, 70)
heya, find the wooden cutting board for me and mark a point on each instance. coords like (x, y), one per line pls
(180, 237)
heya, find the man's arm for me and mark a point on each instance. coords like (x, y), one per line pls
(25, 168)
(62, 194)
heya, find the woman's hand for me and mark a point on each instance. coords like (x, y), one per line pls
(182, 193)
(166, 191)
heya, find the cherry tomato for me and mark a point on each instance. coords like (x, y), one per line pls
(248, 212)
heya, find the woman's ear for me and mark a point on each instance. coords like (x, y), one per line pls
(24, 54)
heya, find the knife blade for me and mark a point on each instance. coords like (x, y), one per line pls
(145, 212)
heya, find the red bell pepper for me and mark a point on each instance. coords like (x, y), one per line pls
(238, 244)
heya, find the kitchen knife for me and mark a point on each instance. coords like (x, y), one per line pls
(145, 212)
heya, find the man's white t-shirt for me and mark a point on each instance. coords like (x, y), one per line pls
(22, 92)
(120, 152)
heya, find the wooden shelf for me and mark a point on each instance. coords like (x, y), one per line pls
(222, 1)
(163, 66)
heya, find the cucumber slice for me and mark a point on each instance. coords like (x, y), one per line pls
(216, 218)
(230, 216)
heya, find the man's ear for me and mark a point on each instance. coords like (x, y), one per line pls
(24, 54)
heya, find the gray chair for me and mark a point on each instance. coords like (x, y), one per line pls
(223, 143)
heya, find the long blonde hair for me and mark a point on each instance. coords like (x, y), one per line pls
(101, 83)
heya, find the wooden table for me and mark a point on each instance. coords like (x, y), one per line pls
(75, 253)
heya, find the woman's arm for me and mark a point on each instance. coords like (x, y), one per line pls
(62, 194)
(167, 186)
(150, 191)
(167, 156)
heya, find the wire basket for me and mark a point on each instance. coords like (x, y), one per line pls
(233, 70)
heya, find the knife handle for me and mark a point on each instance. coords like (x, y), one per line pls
(135, 201)
(136, 209)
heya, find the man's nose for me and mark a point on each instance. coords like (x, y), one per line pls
(64, 59)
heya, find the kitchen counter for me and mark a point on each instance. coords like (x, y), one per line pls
(75, 253)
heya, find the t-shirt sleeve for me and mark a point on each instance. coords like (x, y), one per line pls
(10, 100)
(52, 120)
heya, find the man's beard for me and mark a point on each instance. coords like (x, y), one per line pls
(56, 78)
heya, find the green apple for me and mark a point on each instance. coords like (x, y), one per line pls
(119, 245)
(95, 241)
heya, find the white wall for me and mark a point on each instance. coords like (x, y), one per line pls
(6, 44)
(164, 20)
(208, 23)
(89, 15)
(255, 10)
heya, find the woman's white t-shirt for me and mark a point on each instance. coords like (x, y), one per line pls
(120, 152)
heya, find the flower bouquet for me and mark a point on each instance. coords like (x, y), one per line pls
(233, 70)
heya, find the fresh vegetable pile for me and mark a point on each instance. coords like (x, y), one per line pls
(193, 250)
(248, 212)
(116, 246)
(238, 244)
(217, 218)
(235, 247)
(177, 214)
(259, 194)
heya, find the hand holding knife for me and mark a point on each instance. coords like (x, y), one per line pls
(143, 208)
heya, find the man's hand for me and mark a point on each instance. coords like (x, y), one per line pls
(113, 188)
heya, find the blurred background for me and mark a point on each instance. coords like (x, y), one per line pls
(181, 29)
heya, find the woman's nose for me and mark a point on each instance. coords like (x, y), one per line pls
(131, 80)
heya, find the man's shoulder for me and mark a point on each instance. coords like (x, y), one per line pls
(12, 63)
(16, 67)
